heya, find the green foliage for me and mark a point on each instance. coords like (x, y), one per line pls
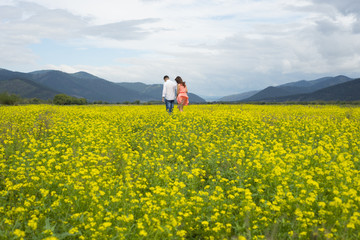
(100, 102)
(63, 99)
(9, 99)
(35, 101)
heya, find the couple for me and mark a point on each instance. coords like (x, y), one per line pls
(168, 95)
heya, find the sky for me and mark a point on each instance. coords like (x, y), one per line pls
(219, 47)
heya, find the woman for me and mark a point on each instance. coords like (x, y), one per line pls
(182, 97)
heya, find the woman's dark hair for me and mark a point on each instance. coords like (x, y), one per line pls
(180, 81)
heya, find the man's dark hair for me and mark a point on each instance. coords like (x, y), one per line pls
(166, 76)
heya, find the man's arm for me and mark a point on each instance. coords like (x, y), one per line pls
(163, 92)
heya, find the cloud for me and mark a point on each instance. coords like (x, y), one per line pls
(125, 30)
(219, 47)
(344, 6)
(27, 23)
(335, 9)
(40, 22)
(9, 13)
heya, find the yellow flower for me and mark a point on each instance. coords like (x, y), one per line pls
(19, 233)
(205, 223)
(33, 223)
(181, 233)
(74, 230)
(51, 238)
(168, 176)
(107, 224)
(44, 192)
(143, 233)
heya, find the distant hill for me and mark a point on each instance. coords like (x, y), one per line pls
(85, 85)
(318, 83)
(85, 75)
(79, 84)
(7, 75)
(287, 89)
(135, 86)
(193, 98)
(348, 91)
(269, 92)
(314, 85)
(237, 97)
(306, 83)
(296, 88)
(154, 91)
(47, 83)
(26, 89)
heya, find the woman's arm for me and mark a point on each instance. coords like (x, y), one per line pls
(177, 90)
(186, 89)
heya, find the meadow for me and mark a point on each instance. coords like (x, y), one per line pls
(213, 172)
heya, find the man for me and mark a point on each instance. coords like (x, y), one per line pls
(168, 94)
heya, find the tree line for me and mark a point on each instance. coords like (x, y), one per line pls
(63, 99)
(59, 99)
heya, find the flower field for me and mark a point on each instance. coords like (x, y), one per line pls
(213, 172)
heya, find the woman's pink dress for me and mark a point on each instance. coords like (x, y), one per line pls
(182, 95)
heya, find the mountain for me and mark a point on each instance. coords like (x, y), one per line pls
(85, 85)
(269, 92)
(318, 83)
(193, 98)
(314, 85)
(211, 98)
(47, 83)
(348, 91)
(237, 97)
(85, 75)
(305, 83)
(135, 86)
(296, 88)
(7, 75)
(26, 89)
(154, 91)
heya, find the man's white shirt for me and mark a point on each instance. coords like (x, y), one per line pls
(169, 90)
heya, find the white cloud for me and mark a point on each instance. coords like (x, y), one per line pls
(218, 46)
(344, 6)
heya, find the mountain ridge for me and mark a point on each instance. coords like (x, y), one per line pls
(293, 88)
(348, 91)
(80, 84)
(27, 89)
(237, 97)
(155, 91)
(93, 88)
